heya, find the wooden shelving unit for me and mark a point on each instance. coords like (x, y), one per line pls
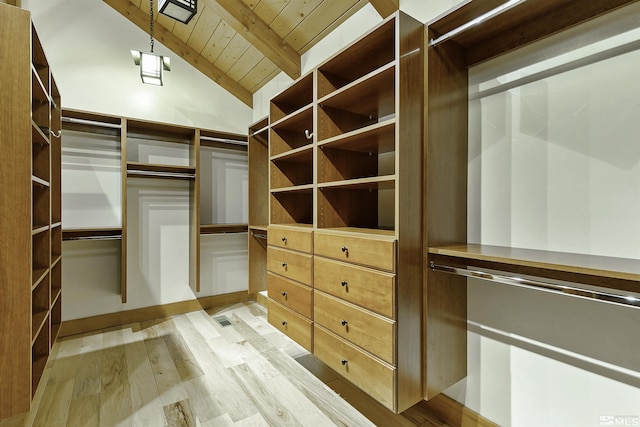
(346, 163)
(151, 150)
(30, 253)
(258, 152)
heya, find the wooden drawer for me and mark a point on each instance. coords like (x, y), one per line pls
(370, 331)
(295, 326)
(371, 289)
(372, 250)
(373, 376)
(294, 265)
(290, 294)
(294, 238)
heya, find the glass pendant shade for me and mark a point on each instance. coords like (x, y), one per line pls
(180, 10)
(151, 66)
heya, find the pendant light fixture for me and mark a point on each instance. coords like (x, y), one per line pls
(180, 10)
(151, 64)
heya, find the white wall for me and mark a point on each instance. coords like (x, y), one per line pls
(88, 46)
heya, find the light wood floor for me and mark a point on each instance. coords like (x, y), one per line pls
(188, 370)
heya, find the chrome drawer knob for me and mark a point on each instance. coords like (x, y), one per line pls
(344, 249)
(284, 294)
(343, 283)
(344, 323)
(284, 239)
(284, 323)
(284, 264)
(344, 362)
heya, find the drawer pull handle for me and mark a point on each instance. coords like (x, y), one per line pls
(284, 264)
(344, 362)
(344, 249)
(284, 294)
(284, 323)
(343, 322)
(284, 239)
(343, 283)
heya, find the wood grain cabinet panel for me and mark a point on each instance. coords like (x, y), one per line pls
(295, 296)
(292, 238)
(372, 375)
(295, 326)
(372, 332)
(370, 250)
(372, 289)
(293, 265)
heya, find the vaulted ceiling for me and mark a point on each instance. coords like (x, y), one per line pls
(243, 44)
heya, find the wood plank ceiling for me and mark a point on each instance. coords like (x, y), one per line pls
(243, 44)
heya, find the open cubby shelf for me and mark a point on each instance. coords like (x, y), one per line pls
(361, 58)
(293, 169)
(294, 132)
(296, 97)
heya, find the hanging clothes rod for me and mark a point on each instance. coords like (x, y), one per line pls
(259, 131)
(90, 123)
(114, 237)
(154, 174)
(628, 300)
(223, 140)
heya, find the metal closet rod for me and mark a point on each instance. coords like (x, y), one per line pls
(90, 122)
(223, 140)
(628, 300)
(108, 237)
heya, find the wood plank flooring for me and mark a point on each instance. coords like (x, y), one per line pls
(188, 370)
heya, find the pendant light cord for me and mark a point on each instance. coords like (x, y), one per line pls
(151, 23)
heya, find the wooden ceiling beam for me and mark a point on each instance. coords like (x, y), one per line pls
(141, 18)
(257, 32)
(385, 7)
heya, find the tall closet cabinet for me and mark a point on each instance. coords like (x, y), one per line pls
(345, 267)
(30, 211)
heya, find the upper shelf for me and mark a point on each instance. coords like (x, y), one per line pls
(592, 265)
(148, 170)
(361, 58)
(292, 99)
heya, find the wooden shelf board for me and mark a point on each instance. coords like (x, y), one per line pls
(223, 228)
(301, 154)
(156, 171)
(39, 181)
(381, 182)
(364, 95)
(39, 228)
(38, 319)
(295, 225)
(37, 135)
(358, 230)
(38, 90)
(37, 275)
(258, 227)
(55, 296)
(593, 265)
(367, 79)
(364, 139)
(55, 260)
(296, 117)
(307, 188)
(56, 225)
